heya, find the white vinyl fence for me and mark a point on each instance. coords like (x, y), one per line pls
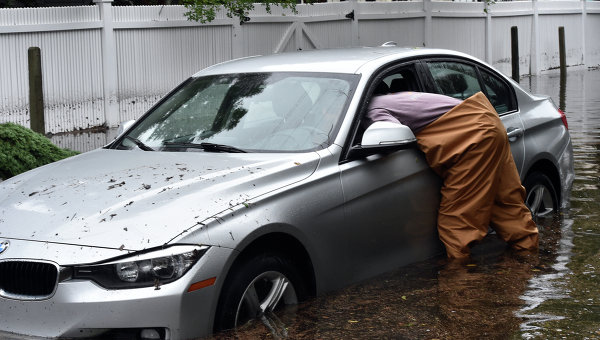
(103, 65)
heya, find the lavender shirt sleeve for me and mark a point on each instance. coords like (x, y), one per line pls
(413, 109)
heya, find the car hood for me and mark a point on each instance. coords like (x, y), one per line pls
(131, 200)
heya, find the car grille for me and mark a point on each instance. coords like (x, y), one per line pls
(27, 279)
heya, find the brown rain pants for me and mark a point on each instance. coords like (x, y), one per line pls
(468, 147)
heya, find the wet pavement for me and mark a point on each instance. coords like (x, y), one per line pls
(498, 294)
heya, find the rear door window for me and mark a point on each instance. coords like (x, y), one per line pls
(454, 79)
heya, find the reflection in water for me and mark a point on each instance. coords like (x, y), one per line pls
(84, 141)
(549, 285)
(562, 97)
(582, 308)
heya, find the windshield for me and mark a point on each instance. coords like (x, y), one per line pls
(267, 112)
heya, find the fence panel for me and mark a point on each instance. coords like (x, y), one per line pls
(264, 37)
(548, 38)
(401, 31)
(71, 65)
(153, 61)
(465, 35)
(501, 44)
(592, 23)
(331, 34)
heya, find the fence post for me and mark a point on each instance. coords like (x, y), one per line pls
(514, 48)
(109, 64)
(488, 32)
(534, 65)
(36, 93)
(238, 43)
(584, 31)
(354, 23)
(562, 50)
(297, 34)
(428, 24)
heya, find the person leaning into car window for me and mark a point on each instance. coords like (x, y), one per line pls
(466, 145)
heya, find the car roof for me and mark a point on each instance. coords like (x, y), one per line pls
(346, 60)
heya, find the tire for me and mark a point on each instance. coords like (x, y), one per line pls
(541, 198)
(256, 287)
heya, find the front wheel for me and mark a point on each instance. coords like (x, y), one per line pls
(255, 288)
(541, 197)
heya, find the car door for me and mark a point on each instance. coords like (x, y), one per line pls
(391, 201)
(462, 79)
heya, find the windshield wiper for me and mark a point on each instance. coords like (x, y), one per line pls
(182, 145)
(139, 144)
(220, 148)
(205, 146)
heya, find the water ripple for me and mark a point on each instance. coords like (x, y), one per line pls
(546, 287)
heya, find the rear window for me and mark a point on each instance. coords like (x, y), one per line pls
(498, 92)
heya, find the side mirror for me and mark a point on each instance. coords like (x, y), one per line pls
(387, 134)
(124, 127)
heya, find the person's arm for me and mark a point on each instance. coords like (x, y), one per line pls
(378, 114)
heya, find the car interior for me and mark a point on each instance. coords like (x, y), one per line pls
(399, 80)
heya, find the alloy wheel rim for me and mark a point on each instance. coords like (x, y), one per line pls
(540, 201)
(263, 295)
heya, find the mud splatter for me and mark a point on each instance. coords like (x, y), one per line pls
(116, 185)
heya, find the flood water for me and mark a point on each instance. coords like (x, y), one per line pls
(498, 294)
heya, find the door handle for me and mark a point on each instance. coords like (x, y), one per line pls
(514, 133)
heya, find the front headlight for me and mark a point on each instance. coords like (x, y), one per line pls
(150, 268)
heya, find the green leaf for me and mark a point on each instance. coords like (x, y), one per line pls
(206, 10)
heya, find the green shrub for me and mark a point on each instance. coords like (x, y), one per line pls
(21, 149)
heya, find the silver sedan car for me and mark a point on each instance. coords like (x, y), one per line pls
(252, 185)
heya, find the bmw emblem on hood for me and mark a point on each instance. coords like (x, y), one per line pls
(3, 246)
